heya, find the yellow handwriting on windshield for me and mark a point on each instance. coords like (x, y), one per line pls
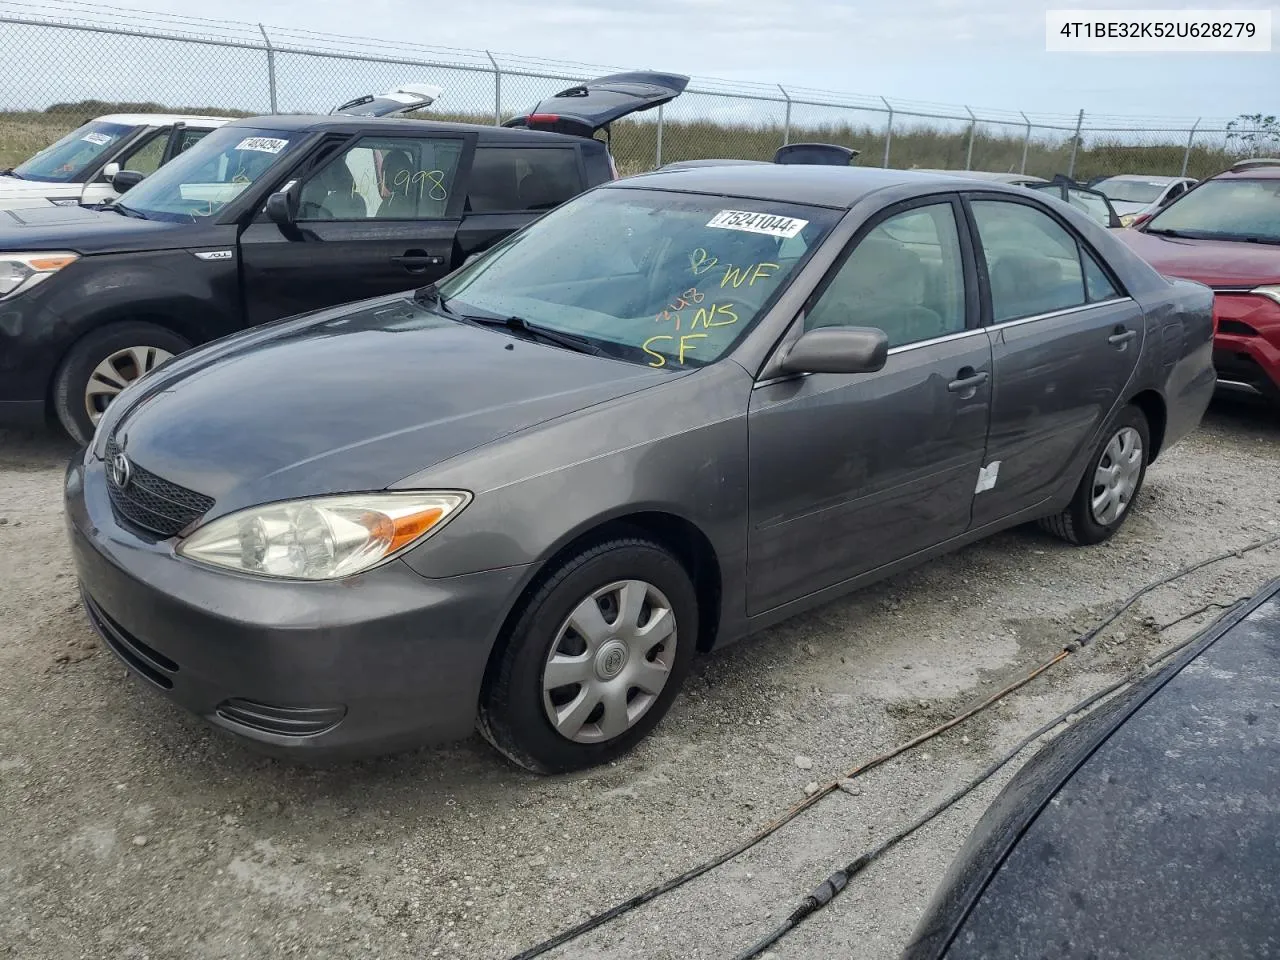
(684, 346)
(735, 276)
(718, 315)
(672, 311)
(700, 261)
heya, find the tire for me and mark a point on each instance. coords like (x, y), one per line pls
(1080, 523)
(127, 349)
(515, 712)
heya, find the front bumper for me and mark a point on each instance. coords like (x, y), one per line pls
(379, 662)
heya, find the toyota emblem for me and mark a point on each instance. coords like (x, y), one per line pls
(121, 470)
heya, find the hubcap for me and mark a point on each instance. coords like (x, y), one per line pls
(1116, 478)
(610, 661)
(115, 373)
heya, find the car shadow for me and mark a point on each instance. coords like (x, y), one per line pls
(38, 448)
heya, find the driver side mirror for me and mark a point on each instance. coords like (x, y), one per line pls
(282, 206)
(125, 179)
(110, 170)
(837, 350)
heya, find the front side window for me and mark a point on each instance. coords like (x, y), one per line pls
(522, 178)
(384, 178)
(204, 179)
(664, 279)
(905, 277)
(1232, 208)
(147, 156)
(1032, 261)
(188, 138)
(79, 151)
(1091, 203)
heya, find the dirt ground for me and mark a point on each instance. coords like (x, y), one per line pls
(130, 830)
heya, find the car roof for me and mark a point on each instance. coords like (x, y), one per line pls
(1140, 178)
(1261, 168)
(822, 186)
(160, 119)
(342, 123)
(988, 175)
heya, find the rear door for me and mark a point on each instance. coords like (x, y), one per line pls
(513, 185)
(1065, 340)
(377, 214)
(851, 472)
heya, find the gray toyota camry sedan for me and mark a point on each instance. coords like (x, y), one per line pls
(675, 410)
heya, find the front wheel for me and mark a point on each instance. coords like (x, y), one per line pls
(103, 363)
(1110, 484)
(594, 660)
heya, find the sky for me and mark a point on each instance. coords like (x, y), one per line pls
(988, 54)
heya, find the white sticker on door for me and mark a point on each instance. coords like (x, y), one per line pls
(769, 224)
(987, 476)
(262, 144)
(97, 139)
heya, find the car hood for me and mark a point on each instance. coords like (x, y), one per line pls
(1124, 207)
(352, 400)
(1217, 263)
(17, 193)
(85, 231)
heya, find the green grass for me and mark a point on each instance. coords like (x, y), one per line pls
(635, 143)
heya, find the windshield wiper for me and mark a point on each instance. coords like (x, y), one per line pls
(121, 209)
(1273, 240)
(1161, 232)
(535, 331)
(9, 172)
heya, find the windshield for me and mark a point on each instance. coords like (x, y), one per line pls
(1131, 191)
(204, 179)
(1234, 209)
(77, 152)
(665, 279)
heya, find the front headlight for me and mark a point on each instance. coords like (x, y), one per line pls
(323, 538)
(22, 271)
(1127, 219)
(1271, 293)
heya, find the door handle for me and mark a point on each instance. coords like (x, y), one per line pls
(1121, 337)
(417, 261)
(968, 380)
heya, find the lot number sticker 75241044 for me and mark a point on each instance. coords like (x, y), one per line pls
(767, 223)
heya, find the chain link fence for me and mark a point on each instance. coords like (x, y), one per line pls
(63, 65)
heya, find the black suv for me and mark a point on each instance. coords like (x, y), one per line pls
(272, 216)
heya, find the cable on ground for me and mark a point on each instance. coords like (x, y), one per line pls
(828, 889)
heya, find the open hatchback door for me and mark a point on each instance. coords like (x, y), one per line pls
(592, 106)
(403, 99)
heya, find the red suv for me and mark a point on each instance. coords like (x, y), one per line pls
(1225, 232)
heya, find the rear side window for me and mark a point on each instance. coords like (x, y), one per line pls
(1096, 282)
(596, 159)
(1033, 262)
(523, 178)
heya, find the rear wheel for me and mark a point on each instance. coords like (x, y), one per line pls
(594, 660)
(1110, 484)
(103, 363)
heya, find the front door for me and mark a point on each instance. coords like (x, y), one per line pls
(1065, 341)
(851, 472)
(379, 216)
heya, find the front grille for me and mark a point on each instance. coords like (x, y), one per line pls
(153, 503)
(152, 664)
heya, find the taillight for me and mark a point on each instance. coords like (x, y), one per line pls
(544, 118)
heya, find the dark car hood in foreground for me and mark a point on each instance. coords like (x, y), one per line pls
(355, 400)
(1151, 830)
(1218, 263)
(86, 231)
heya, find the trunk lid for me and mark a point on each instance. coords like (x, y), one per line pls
(591, 106)
(405, 98)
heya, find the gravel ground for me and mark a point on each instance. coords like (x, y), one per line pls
(132, 831)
